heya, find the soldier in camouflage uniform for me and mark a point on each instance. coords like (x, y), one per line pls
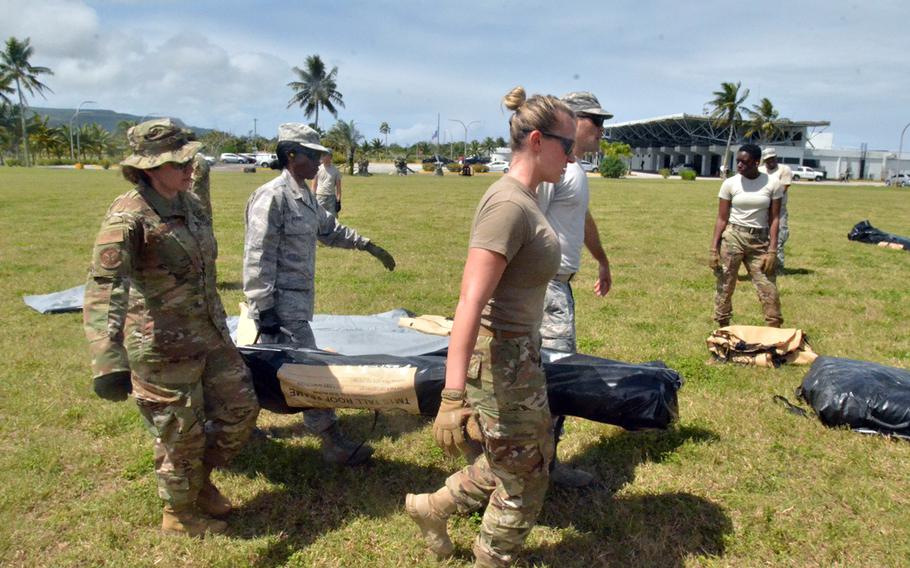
(156, 326)
(493, 363)
(745, 232)
(283, 223)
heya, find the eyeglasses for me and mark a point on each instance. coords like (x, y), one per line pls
(567, 143)
(598, 121)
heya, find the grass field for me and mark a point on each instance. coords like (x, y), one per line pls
(739, 482)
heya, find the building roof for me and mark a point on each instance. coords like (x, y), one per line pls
(695, 130)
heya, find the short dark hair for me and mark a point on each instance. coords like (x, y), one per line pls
(752, 149)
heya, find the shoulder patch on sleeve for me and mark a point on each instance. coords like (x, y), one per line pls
(110, 257)
(110, 236)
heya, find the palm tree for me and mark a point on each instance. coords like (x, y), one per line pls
(6, 89)
(315, 89)
(488, 145)
(345, 135)
(728, 104)
(763, 118)
(384, 129)
(14, 65)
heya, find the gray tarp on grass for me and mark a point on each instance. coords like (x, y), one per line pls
(57, 302)
(347, 335)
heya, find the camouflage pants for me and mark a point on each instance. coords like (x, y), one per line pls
(506, 387)
(741, 247)
(327, 200)
(316, 420)
(783, 234)
(201, 412)
(557, 328)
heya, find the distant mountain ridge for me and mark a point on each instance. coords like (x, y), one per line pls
(107, 119)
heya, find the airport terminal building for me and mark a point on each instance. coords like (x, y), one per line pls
(678, 139)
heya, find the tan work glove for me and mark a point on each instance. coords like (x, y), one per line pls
(769, 262)
(448, 428)
(714, 260)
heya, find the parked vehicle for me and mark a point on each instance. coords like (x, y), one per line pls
(231, 158)
(898, 180)
(477, 160)
(586, 165)
(805, 172)
(680, 167)
(499, 166)
(264, 159)
(435, 159)
(209, 159)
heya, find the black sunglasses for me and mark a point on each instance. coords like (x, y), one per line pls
(567, 143)
(598, 121)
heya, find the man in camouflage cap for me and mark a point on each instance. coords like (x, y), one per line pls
(156, 327)
(565, 205)
(283, 223)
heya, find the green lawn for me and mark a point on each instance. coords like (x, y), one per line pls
(738, 483)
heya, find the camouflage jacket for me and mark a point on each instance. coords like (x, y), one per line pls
(283, 222)
(151, 292)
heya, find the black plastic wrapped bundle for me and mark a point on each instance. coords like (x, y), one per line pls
(858, 394)
(864, 232)
(626, 395)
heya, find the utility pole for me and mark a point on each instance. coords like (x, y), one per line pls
(75, 114)
(255, 136)
(465, 126)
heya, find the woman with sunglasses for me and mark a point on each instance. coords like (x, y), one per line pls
(283, 223)
(156, 327)
(493, 373)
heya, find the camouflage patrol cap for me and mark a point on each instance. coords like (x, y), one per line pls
(159, 141)
(301, 134)
(583, 102)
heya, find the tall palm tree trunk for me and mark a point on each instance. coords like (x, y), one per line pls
(22, 121)
(723, 166)
(316, 122)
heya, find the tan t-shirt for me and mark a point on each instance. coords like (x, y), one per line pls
(509, 222)
(750, 199)
(326, 179)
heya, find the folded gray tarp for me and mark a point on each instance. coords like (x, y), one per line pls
(57, 302)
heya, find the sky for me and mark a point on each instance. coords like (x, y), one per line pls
(226, 64)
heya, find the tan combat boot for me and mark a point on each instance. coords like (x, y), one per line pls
(483, 558)
(339, 450)
(210, 500)
(431, 513)
(189, 522)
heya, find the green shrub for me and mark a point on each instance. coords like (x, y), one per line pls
(454, 167)
(429, 167)
(480, 168)
(13, 162)
(106, 164)
(612, 167)
(687, 174)
(664, 172)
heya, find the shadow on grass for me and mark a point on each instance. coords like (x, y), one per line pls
(615, 458)
(641, 530)
(358, 426)
(315, 498)
(229, 286)
(741, 277)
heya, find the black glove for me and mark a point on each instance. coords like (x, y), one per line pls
(114, 387)
(382, 255)
(338, 207)
(268, 323)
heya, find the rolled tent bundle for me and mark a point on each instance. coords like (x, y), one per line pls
(288, 380)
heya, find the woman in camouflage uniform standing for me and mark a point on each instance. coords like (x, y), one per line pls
(493, 362)
(156, 326)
